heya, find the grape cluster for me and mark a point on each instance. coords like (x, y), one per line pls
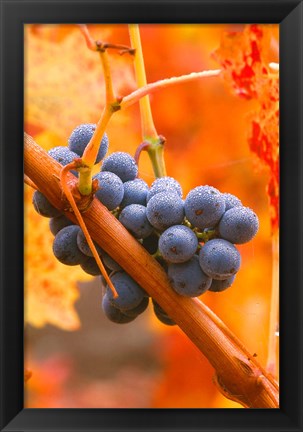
(193, 238)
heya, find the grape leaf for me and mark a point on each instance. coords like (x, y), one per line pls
(64, 81)
(50, 287)
(244, 58)
(264, 142)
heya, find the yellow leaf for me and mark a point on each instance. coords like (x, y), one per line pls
(64, 82)
(50, 287)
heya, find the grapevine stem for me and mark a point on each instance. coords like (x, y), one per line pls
(30, 183)
(142, 147)
(109, 90)
(167, 82)
(155, 148)
(148, 128)
(96, 45)
(91, 44)
(156, 155)
(91, 151)
(274, 308)
(69, 196)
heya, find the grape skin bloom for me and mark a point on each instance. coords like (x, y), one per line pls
(65, 246)
(164, 184)
(188, 279)
(164, 210)
(178, 244)
(82, 135)
(204, 206)
(111, 189)
(239, 225)
(43, 206)
(122, 164)
(231, 201)
(135, 192)
(134, 219)
(64, 156)
(219, 259)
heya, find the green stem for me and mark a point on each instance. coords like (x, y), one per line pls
(109, 88)
(157, 254)
(85, 181)
(156, 155)
(206, 235)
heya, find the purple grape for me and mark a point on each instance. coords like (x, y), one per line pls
(90, 266)
(57, 223)
(164, 210)
(188, 279)
(221, 285)
(130, 294)
(138, 309)
(114, 314)
(84, 247)
(178, 244)
(239, 225)
(135, 192)
(133, 218)
(219, 259)
(81, 136)
(122, 164)
(164, 184)
(64, 156)
(162, 315)
(43, 206)
(111, 190)
(110, 263)
(65, 246)
(204, 206)
(231, 201)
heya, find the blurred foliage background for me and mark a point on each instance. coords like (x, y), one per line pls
(78, 358)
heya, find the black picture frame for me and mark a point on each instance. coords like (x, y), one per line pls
(14, 14)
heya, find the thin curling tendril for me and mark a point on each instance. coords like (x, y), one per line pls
(69, 196)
